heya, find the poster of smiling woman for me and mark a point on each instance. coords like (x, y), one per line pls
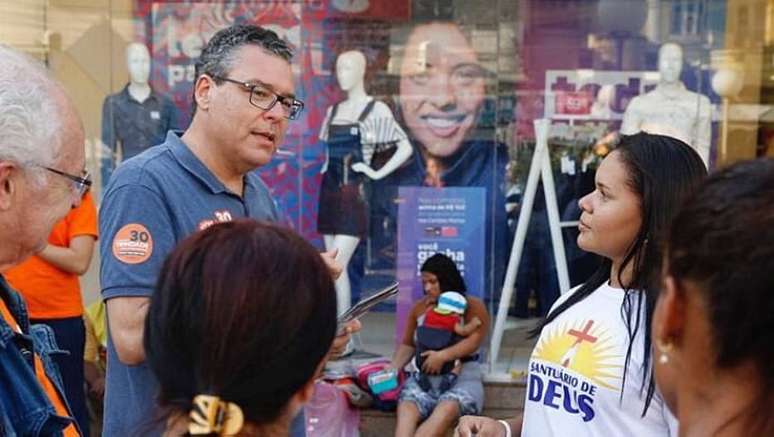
(445, 92)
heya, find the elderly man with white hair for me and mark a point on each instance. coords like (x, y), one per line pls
(41, 177)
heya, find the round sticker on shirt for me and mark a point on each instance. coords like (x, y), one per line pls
(133, 244)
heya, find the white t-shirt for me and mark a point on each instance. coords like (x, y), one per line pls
(576, 371)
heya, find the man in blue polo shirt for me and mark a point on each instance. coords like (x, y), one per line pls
(243, 99)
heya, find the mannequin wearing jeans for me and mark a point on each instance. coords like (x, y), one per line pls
(351, 130)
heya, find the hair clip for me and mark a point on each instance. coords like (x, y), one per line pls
(210, 415)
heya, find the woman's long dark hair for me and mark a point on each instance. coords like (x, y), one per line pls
(662, 172)
(245, 311)
(722, 241)
(445, 270)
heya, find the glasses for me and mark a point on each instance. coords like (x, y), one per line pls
(264, 98)
(81, 183)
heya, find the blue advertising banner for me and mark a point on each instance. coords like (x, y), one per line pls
(448, 220)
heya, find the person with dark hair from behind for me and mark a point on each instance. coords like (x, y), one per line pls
(244, 100)
(432, 410)
(238, 328)
(590, 373)
(713, 322)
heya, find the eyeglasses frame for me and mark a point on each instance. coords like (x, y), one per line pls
(83, 183)
(277, 97)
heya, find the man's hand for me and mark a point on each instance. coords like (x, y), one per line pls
(95, 379)
(434, 361)
(340, 342)
(479, 426)
(330, 260)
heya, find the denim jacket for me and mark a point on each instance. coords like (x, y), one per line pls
(25, 409)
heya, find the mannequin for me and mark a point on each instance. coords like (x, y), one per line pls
(602, 104)
(352, 129)
(138, 65)
(135, 118)
(670, 109)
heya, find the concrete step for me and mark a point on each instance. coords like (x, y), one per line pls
(502, 400)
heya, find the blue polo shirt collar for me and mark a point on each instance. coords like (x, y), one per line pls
(196, 167)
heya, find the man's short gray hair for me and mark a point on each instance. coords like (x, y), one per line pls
(29, 113)
(217, 56)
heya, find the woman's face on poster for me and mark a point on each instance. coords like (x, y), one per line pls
(441, 88)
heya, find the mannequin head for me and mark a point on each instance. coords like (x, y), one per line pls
(138, 63)
(350, 69)
(670, 62)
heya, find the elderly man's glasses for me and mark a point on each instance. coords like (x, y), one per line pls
(81, 183)
(264, 98)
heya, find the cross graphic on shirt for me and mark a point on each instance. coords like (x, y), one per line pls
(580, 336)
(584, 335)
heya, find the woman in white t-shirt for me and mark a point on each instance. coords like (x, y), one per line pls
(590, 373)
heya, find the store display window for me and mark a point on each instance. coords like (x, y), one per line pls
(418, 129)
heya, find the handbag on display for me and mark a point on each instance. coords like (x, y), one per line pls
(383, 382)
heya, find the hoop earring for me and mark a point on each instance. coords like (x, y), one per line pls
(664, 349)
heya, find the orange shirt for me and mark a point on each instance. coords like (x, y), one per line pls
(51, 293)
(40, 373)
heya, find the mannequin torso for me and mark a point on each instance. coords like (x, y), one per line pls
(350, 109)
(139, 91)
(671, 109)
(135, 118)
